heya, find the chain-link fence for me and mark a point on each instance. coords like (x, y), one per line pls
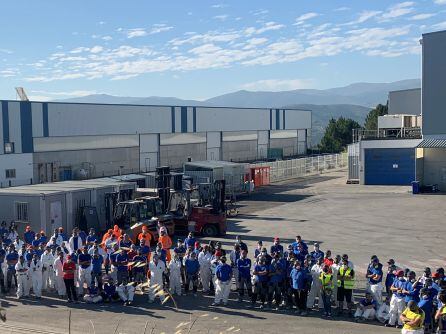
(288, 169)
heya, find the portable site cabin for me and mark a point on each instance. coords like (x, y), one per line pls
(51, 205)
(140, 180)
(211, 170)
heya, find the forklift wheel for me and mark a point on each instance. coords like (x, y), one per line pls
(209, 231)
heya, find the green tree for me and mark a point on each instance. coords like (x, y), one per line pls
(371, 121)
(338, 134)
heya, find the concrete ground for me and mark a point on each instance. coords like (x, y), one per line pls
(353, 219)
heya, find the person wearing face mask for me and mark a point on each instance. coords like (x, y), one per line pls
(58, 271)
(326, 284)
(427, 305)
(412, 318)
(397, 302)
(223, 282)
(276, 270)
(175, 274)
(366, 309)
(156, 271)
(316, 254)
(204, 258)
(315, 290)
(35, 269)
(261, 281)
(75, 242)
(276, 247)
(440, 315)
(244, 279)
(412, 288)
(334, 268)
(374, 279)
(299, 283)
(346, 283)
(21, 268)
(268, 258)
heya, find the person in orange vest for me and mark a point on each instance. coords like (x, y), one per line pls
(166, 242)
(117, 231)
(146, 236)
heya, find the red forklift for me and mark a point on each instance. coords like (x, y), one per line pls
(200, 209)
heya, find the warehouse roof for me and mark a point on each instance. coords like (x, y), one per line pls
(65, 186)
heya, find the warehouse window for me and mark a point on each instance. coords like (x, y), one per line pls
(9, 148)
(21, 211)
(10, 173)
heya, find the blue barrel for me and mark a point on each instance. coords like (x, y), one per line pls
(415, 187)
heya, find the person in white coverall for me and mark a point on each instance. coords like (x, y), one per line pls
(47, 259)
(397, 302)
(156, 270)
(316, 290)
(334, 271)
(35, 270)
(21, 269)
(126, 292)
(204, 259)
(175, 275)
(366, 308)
(223, 282)
(58, 275)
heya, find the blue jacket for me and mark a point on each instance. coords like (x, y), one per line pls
(399, 284)
(299, 279)
(192, 266)
(375, 271)
(276, 270)
(244, 267)
(224, 272)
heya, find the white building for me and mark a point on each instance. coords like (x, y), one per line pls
(49, 141)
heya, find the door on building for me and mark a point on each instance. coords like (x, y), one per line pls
(389, 166)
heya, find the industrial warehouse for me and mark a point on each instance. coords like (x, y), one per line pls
(48, 142)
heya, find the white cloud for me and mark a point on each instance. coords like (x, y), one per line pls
(7, 51)
(157, 28)
(398, 10)
(440, 2)
(259, 12)
(141, 32)
(220, 17)
(342, 9)
(96, 49)
(78, 50)
(268, 26)
(420, 17)
(277, 85)
(101, 23)
(137, 32)
(107, 38)
(439, 26)
(220, 5)
(305, 17)
(364, 16)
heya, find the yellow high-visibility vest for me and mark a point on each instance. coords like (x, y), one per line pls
(349, 282)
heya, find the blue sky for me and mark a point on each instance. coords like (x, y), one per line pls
(199, 49)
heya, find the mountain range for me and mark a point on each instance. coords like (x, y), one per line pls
(353, 101)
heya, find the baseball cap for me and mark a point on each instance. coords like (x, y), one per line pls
(69, 257)
(276, 239)
(399, 273)
(316, 244)
(391, 261)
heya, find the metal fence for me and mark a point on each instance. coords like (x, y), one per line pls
(288, 169)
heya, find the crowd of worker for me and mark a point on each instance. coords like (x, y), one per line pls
(84, 267)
